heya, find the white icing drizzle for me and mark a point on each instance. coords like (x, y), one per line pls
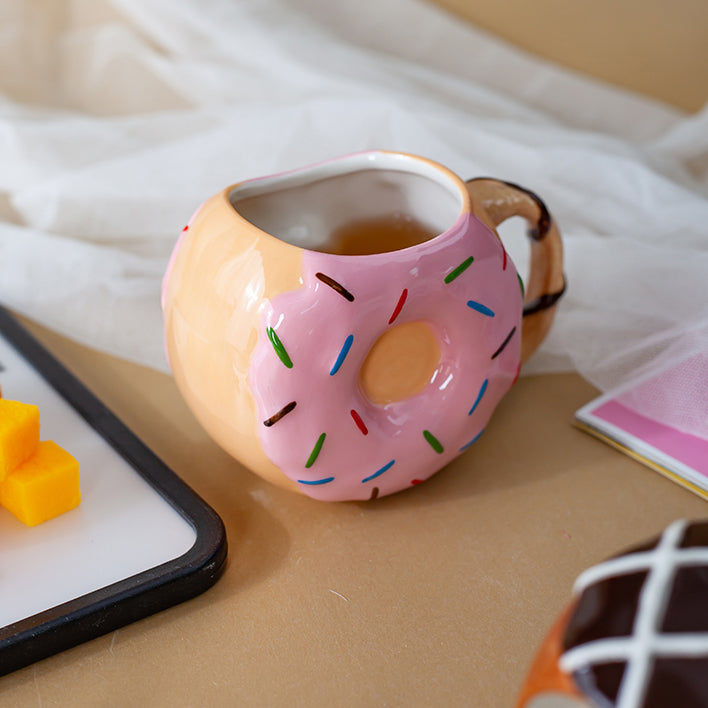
(640, 648)
(632, 563)
(624, 565)
(618, 649)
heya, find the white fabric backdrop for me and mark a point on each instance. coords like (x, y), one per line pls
(118, 117)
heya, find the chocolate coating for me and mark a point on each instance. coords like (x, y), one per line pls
(696, 536)
(606, 609)
(687, 610)
(678, 682)
(664, 589)
(601, 682)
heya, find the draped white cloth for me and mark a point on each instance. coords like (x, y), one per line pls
(118, 117)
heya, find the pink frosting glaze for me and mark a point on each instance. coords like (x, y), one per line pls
(473, 316)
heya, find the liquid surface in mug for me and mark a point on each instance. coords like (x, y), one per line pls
(382, 234)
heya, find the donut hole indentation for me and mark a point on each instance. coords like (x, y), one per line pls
(400, 364)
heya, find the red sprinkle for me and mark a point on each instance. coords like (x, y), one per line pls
(516, 378)
(417, 481)
(359, 422)
(186, 227)
(504, 264)
(399, 306)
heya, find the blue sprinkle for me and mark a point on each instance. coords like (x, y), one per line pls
(316, 481)
(377, 473)
(480, 308)
(471, 442)
(342, 354)
(479, 396)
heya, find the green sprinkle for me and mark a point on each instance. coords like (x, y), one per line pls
(315, 450)
(459, 270)
(521, 283)
(433, 441)
(279, 348)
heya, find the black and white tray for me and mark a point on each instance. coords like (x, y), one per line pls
(140, 541)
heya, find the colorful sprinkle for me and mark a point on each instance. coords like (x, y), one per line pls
(521, 283)
(399, 306)
(279, 348)
(417, 481)
(379, 472)
(504, 262)
(342, 354)
(504, 343)
(324, 480)
(479, 307)
(374, 493)
(359, 422)
(186, 228)
(518, 373)
(315, 452)
(335, 286)
(473, 441)
(282, 412)
(433, 442)
(482, 389)
(459, 270)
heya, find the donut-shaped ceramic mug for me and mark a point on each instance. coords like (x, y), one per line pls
(345, 330)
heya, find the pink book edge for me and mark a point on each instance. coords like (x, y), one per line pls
(680, 455)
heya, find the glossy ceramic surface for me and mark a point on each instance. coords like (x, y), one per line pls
(343, 376)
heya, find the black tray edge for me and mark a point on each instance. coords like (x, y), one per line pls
(113, 606)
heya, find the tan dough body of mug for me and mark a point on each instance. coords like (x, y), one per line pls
(225, 270)
(210, 336)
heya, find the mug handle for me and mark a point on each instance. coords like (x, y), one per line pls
(498, 201)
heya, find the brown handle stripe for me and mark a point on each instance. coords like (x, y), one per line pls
(543, 302)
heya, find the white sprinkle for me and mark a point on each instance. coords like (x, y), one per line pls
(334, 592)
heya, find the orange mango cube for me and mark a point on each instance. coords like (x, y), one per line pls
(43, 487)
(19, 434)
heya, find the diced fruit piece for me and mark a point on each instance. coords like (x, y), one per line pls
(19, 434)
(43, 487)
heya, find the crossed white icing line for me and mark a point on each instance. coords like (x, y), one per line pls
(640, 648)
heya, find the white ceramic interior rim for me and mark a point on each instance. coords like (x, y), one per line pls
(431, 192)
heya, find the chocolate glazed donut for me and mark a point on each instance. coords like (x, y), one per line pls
(637, 634)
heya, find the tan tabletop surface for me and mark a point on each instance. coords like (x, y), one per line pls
(433, 597)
